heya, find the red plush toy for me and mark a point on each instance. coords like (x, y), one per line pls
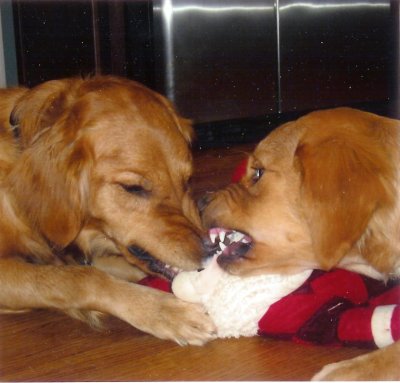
(338, 307)
(329, 308)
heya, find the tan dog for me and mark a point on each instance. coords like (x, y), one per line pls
(101, 164)
(321, 192)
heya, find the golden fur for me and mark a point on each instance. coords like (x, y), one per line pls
(320, 192)
(100, 165)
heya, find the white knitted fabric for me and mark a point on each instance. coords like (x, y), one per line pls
(235, 304)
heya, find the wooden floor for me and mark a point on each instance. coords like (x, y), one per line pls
(49, 346)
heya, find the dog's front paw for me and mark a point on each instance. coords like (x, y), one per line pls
(183, 322)
(377, 365)
(160, 314)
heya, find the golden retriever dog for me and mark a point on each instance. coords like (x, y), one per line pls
(320, 192)
(96, 171)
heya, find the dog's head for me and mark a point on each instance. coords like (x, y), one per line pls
(112, 154)
(309, 193)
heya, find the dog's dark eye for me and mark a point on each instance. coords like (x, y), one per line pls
(136, 190)
(257, 174)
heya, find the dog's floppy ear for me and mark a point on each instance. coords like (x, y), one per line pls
(184, 125)
(49, 180)
(345, 177)
(50, 184)
(41, 106)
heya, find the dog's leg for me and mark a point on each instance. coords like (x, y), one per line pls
(25, 286)
(378, 365)
(119, 267)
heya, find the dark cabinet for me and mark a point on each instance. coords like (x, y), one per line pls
(59, 38)
(53, 39)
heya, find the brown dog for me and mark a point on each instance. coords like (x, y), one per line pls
(101, 164)
(321, 192)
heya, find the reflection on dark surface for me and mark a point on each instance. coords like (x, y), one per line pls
(236, 67)
(334, 53)
(220, 52)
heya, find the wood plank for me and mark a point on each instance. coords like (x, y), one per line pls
(214, 167)
(50, 346)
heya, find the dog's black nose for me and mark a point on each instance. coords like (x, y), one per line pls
(203, 201)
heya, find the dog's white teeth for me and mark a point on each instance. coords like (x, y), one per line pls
(222, 236)
(245, 241)
(237, 237)
(222, 246)
(213, 237)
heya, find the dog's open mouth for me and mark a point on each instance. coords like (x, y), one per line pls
(229, 245)
(153, 264)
